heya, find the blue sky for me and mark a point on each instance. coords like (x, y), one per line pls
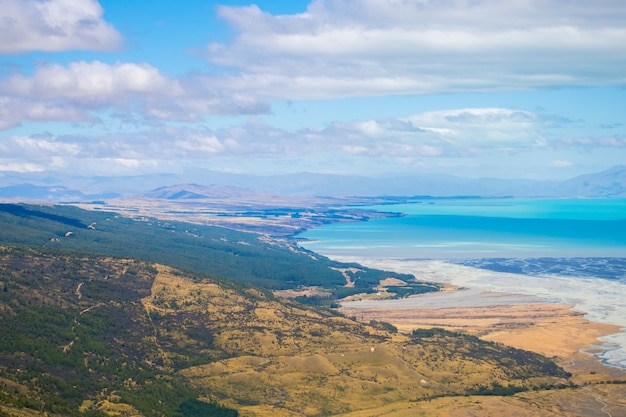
(486, 88)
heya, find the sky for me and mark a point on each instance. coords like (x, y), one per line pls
(476, 88)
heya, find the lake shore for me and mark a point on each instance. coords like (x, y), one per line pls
(546, 316)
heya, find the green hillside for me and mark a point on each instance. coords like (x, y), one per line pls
(92, 335)
(237, 256)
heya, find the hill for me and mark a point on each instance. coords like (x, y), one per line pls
(85, 335)
(238, 256)
(195, 191)
(608, 183)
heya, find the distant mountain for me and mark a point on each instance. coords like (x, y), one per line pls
(195, 191)
(609, 183)
(119, 185)
(54, 193)
(329, 185)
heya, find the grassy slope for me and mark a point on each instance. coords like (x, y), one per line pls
(238, 256)
(101, 333)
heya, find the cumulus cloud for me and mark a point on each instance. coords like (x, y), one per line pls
(91, 82)
(58, 93)
(449, 133)
(55, 25)
(341, 48)
(77, 91)
(336, 48)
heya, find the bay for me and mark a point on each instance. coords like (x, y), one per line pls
(480, 228)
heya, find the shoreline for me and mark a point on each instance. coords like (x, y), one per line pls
(555, 317)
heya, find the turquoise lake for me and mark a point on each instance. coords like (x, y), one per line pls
(449, 228)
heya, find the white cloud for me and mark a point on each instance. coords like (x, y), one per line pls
(14, 111)
(452, 133)
(54, 25)
(340, 48)
(199, 144)
(337, 48)
(139, 91)
(493, 128)
(464, 135)
(45, 147)
(92, 82)
(38, 148)
(449, 133)
(20, 166)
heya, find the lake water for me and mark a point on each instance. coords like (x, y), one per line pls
(570, 251)
(480, 228)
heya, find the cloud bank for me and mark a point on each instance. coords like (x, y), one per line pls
(470, 132)
(78, 91)
(341, 48)
(335, 49)
(55, 25)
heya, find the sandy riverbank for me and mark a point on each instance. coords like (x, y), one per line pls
(518, 311)
(594, 301)
(555, 317)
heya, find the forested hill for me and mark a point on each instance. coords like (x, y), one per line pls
(91, 335)
(237, 256)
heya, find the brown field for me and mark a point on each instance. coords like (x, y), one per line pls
(553, 330)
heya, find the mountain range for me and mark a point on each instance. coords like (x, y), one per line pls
(610, 183)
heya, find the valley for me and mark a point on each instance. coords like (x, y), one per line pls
(110, 315)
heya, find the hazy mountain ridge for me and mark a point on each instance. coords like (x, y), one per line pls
(194, 191)
(590, 185)
(53, 193)
(608, 183)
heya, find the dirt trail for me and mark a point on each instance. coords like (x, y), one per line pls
(78, 293)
